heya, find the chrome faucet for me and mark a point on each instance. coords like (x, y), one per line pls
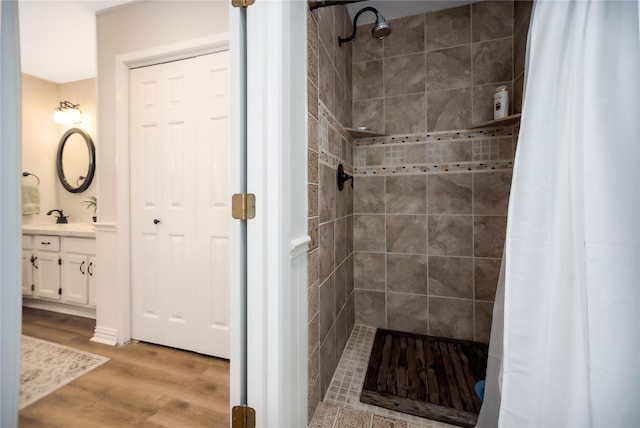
(61, 219)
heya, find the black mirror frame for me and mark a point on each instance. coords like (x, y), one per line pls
(92, 161)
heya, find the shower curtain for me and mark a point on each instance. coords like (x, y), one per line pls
(565, 341)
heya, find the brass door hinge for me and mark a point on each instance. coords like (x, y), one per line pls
(243, 417)
(243, 206)
(242, 3)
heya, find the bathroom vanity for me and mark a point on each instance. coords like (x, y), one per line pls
(59, 268)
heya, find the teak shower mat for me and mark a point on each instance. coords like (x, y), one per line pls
(427, 376)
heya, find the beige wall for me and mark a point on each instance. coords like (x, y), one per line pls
(40, 138)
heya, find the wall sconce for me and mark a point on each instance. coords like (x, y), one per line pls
(67, 113)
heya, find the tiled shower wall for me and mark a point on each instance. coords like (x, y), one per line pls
(436, 71)
(330, 260)
(430, 216)
(430, 203)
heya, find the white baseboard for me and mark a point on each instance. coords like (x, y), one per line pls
(105, 335)
(62, 308)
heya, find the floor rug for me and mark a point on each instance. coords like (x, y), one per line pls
(46, 366)
(426, 376)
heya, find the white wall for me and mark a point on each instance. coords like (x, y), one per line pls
(123, 32)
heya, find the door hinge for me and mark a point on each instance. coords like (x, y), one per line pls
(60, 261)
(243, 206)
(33, 287)
(59, 291)
(242, 3)
(243, 417)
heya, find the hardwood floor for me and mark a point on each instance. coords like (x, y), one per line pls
(143, 385)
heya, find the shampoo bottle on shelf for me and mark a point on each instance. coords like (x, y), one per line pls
(501, 103)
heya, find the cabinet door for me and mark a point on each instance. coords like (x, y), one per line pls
(27, 273)
(47, 275)
(93, 281)
(75, 278)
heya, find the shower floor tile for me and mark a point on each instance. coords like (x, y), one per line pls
(342, 407)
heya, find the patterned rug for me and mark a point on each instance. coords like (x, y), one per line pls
(46, 366)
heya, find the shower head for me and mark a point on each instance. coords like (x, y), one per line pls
(380, 30)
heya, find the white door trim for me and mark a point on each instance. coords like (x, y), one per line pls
(113, 313)
(277, 238)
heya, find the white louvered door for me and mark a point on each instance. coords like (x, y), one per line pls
(180, 213)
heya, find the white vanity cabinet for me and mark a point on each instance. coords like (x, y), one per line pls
(28, 265)
(59, 268)
(78, 268)
(47, 266)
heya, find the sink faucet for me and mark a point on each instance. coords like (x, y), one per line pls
(61, 219)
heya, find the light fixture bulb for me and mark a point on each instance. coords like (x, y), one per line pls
(59, 116)
(74, 115)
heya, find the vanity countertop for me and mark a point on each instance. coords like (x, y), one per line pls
(82, 230)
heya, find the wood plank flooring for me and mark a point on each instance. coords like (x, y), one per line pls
(426, 376)
(143, 385)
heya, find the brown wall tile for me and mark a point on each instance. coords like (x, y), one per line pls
(406, 194)
(312, 65)
(483, 317)
(312, 99)
(314, 332)
(340, 288)
(450, 235)
(407, 36)
(451, 277)
(405, 114)
(449, 68)
(369, 113)
(312, 230)
(404, 74)
(365, 47)
(341, 331)
(367, 80)
(519, 51)
(313, 268)
(328, 188)
(486, 274)
(492, 61)
(312, 166)
(327, 307)
(314, 299)
(326, 76)
(340, 240)
(312, 197)
(407, 273)
(449, 109)
(407, 312)
(491, 20)
(450, 193)
(326, 250)
(326, 31)
(449, 27)
(349, 279)
(368, 195)
(328, 361)
(451, 318)
(416, 153)
(349, 235)
(522, 13)
(488, 235)
(370, 308)
(369, 271)
(491, 192)
(312, 132)
(368, 233)
(407, 234)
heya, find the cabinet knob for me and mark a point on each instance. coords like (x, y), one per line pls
(156, 221)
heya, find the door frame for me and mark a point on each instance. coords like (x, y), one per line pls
(113, 313)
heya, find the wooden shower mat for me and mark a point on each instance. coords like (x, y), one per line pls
(427, 376)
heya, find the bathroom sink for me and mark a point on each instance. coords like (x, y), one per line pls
(69, 229)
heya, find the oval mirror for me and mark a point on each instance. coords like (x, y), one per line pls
(76, 160)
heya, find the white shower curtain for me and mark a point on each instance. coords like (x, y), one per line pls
(565, 342)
